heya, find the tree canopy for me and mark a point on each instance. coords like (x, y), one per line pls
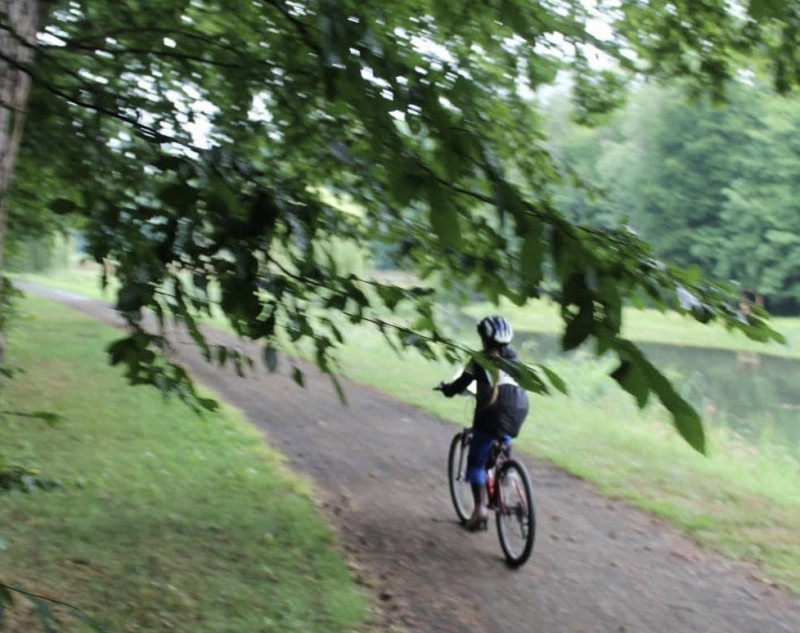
(212, 149)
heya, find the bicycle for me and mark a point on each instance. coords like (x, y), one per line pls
(509, 492)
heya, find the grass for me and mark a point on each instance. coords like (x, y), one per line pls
(740, 500)
(166, 521)
(80, 279)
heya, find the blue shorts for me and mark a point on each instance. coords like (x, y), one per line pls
(480, 449)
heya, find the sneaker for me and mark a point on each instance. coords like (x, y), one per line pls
(479, 519)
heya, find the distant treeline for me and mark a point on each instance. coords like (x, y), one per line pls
(709, 185)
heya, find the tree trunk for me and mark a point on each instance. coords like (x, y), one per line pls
(19, 23)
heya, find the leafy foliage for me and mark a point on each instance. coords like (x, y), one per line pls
(208, 157)
(708, 42)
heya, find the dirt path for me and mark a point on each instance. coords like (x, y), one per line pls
(598, 565)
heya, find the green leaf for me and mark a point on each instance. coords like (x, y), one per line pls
(209, 404)
(760, 10)
(131, 297)
(579, 327)
(340, 392)
(179, 195)
(420, 344)
(62, 206)
(299, 377)
(336, 302)
(484, 361)
(554, 379)
(684, 417)
(636, 374)
(604, 340)
(8, 371)
(444, 220)
(633, 380)
(527, 378)
(48, 417)
(531, 257)
(271, 358)
(390, 295)
(121, 350)
(758, 330)
(404, 184)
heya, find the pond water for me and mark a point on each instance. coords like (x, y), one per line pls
(754, 394)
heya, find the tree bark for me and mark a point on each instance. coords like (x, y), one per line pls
(19, 23)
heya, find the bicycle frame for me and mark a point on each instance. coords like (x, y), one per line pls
(494, 493)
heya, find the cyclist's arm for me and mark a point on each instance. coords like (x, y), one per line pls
(459, 385)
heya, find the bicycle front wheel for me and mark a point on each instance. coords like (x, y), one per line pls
(516, 514)
(460, 490)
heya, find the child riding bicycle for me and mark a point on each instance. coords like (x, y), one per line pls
(500, 409)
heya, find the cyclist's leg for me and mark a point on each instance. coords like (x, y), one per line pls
(480, 449)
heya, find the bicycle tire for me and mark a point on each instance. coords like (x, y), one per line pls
(460, 490)
(516, 516)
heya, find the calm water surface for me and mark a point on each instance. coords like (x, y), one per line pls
(756, 395)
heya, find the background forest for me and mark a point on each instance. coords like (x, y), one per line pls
(713, 186)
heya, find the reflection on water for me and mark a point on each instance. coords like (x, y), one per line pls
(752, 393)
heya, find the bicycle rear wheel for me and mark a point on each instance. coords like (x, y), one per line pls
(516, 515)
(460, 490)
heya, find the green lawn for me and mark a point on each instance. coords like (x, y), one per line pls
(166, 521)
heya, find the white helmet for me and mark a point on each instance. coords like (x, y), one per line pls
(496, 329)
